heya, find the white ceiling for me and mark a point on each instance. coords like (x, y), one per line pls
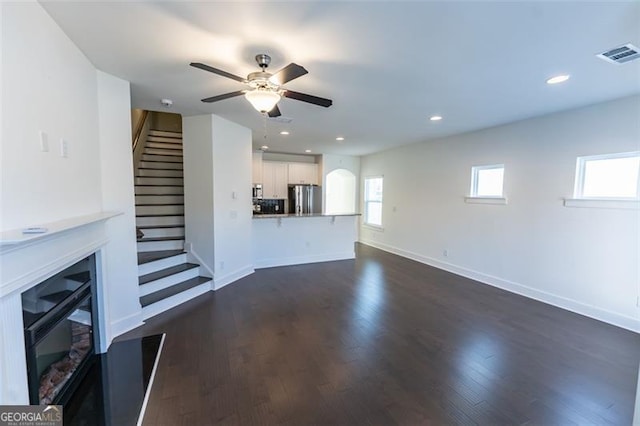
(388, 66)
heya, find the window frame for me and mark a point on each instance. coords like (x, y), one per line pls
(581, 162)
(366, 201)
(474, 198)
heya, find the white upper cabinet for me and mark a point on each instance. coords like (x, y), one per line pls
(305, 173)
(256, 176)
(274, 179)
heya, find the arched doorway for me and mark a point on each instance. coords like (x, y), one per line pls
(340, 192)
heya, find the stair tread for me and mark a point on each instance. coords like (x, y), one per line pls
(172, 291)
(164, 160)
(142, 240)
(165, 131)
(156, 168)
(156, 186)
(161, 215)
(161, 204)
(150, 256)
(144, 279)
(159, 226)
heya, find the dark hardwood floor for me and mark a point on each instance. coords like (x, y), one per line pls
(385, 340)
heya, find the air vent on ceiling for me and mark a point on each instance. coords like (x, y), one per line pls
(281, 119)
(621, 55)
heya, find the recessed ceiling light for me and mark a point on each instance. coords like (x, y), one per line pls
(307, 150)
(263, 147)
(435, 118)
(339, 138)
(284, 132)
(558, 79)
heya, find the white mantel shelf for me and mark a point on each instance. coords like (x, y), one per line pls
(15, 238)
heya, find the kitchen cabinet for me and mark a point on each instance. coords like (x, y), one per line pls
(306, 173)
(256, 175)
(274, 179)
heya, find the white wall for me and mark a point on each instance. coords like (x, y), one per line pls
(217, 167)
(120, 266)
(198, 188)
(232, 168)
(583, 259)
(47, 85)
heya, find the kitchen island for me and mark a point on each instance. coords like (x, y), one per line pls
(291, 239)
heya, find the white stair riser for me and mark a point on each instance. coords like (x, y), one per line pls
(160, 165)
(165, 133)
(158, 210)
(165, 282)
(168, 152)
(159, 199)
(157, 265)
(164, 145)
(165, 139)
(159, 173)
(173, 301)
(160, 245)
(159, 190)
(163, 232)
(160, 220)
(159, 181)
(167, 158)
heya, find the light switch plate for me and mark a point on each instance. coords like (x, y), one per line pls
(44, 142)
(64, 148)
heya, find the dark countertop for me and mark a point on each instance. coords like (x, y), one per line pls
(292, 215)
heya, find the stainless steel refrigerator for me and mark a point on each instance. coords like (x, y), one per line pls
(305, 199)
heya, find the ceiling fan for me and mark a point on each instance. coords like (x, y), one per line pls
(265, 89)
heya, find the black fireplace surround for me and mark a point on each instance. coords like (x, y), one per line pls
(60, 338)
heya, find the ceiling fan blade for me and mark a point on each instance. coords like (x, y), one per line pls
(308, 98)
(275, 112)
(217, 71)
(287, 74)
(223, 96)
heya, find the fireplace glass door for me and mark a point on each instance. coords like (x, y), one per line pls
(59, 339)
(60, 353)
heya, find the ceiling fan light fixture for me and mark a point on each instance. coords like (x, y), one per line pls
(263, 100)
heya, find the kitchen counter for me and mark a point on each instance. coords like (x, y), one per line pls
(293, 215)
(279, 239)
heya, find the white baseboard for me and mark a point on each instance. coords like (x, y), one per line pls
(629, 323)
(125, 324)
(288, 261)
(223, 280)
(208, 272)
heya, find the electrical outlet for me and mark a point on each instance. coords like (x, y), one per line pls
(445, 253)
(221, 266)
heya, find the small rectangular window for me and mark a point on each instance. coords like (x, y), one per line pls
(487, 181)
(611, 176)
(373, 201)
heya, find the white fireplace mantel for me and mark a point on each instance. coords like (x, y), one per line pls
(25, 261)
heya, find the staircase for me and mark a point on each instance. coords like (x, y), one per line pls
(165, 277)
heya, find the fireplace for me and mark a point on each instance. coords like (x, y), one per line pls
(60, 339)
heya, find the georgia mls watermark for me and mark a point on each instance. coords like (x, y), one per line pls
(30, 415)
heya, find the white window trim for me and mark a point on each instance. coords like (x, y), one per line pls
(483, 199)
(364, 200)
(578, 199)
(609, 203)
